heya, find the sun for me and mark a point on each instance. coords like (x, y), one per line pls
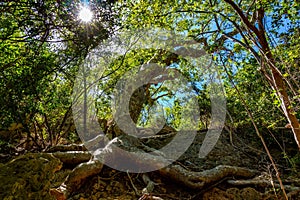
(85, 14)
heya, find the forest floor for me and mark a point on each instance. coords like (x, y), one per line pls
(242, 151)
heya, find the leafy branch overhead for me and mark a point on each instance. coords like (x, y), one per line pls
(234, 32)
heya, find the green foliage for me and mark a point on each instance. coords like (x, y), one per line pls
(42, 45)
(255, 90)
(170, 104)
(288, 55)
(220, 29)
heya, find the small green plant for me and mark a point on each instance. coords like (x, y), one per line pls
(293, 161)
(296, 160)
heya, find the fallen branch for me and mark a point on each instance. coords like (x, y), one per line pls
(133, 186)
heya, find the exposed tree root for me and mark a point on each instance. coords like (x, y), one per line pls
(114, 152)
(262, 183)
(76, 179)
(64, 148)
(198, 180)
(73, 157)
(150, 184)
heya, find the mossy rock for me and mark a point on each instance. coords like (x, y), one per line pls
(28, 176)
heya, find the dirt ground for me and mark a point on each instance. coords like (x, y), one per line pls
(30, 176)
(242, 152)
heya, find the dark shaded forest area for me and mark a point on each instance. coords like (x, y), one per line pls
(146, 100)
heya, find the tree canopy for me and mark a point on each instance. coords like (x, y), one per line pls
(44, 43)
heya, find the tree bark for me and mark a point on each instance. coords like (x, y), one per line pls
(286, 104)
